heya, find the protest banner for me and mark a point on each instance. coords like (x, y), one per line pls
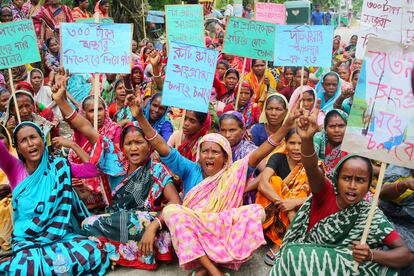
(185, 24)
(96, 48)
(92, 20)
(249, 38)
(303, 45)
(379, 18)
(408, 21)
(381, 121)
(270, 12)
(18, 46)
(189, 77)
(238, 8)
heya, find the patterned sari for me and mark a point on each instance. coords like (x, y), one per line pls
(137, 200)
(259, 88)
(212, 220)
(295, 185)
(326, 248)
(47, 216)
(51, 20)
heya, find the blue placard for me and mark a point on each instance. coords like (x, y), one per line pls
(96, 48)
(189, 77)
(303, 45)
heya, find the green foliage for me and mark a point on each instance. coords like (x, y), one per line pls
(159, 5)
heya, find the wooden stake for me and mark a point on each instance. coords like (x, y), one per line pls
(96, 92)
(240, 84)
(372, 209)
(143, 19)
(180, 127)
(14, 96)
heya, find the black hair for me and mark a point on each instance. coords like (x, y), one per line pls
(49, 40)
(156, 96)
(4, 133)
(310, 92)
(78, 2)
(276, 98)
(200, 116)
(297, 69)
(232, 71)
(331, 73)
(329, 115)
(292, 68)
(254, 61)
(367, 162)
(232, 117)
(103, 2)
(354, 73)
(225, 63)
(127, 130)
(290, 133)
(17, 130)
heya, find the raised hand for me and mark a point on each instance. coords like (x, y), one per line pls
(154, 58)
(135, 105)
(294, 113)
(308, 122)
(347, 93)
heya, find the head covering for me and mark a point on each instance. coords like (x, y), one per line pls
(42, 88)
(3, 177)
(24, 85)
(272, 93)
(238, 116)
(99, 11)
(186, 148)
(2, 81)
(11, 102)
(157, 125)
(296, 95)
(320, 91)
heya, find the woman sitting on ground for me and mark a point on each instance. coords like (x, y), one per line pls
(212, 208)
(324, 236)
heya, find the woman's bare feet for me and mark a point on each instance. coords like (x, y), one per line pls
(200, 272)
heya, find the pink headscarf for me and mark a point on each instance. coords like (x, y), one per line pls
(295, 97)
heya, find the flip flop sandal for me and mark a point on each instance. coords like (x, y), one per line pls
(270, 260)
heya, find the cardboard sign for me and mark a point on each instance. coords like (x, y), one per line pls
(96, 48)
(408, 21)
(303, 45)
(381, 122)
(18, 45)
(249, 38)
(189, 77)
(92, 20)
(270, 12)
(185, 24)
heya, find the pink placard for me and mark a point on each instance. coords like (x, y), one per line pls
(270, 12)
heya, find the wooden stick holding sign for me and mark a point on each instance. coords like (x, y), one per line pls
(96, 93)
(143, 19)
(374, 205)
(14, 95)
(240, 84)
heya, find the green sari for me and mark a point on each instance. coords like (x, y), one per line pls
(326, 249)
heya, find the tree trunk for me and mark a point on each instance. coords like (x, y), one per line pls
(130, 11)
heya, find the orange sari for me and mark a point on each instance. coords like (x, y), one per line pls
(295, 185)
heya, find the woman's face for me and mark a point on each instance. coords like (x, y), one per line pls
(231, 130)
(36, 79)
(120, 92)
(212, 158)
(275, 112)
(4, 99)
(30, 144)
(336, 44)
(355, 79)
(344, 73)
(54, 46)
(137, 76)
(335, 129)
(18, 3)
(134, 46)
(298, 77)
(4, 139)
(330, 85)
(221, 69)
(293, 146)
(26, 108)
(259, 68)
(191, 124)
(308, 100)
(357, 64)
(231, 81)
(245, 96)
(353, 182)
(354, 40)
(89, 111)
(104, 8)
(135, 147)
(150, 46)
(156, 109)
(84, 5)
(289, 74)
(6, 15)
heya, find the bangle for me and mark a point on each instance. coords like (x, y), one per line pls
(308, 156)
(159, 76)
(371, 254)
(271, 142)
(71, 116)
(152, 138)
(159, 222)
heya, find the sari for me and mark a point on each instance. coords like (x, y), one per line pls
(212, 221)
(52, 61)
(259, 88)
(18, 14)
(98, 11)
(47, 216)
(144, 86)
(51, 20)
(295, 185)
(77, 13)
(137, 201)
(325, 151)
(163, 126)
(296, 95)
(32, 12)
(326, 248)
(327, 105)
(90, 189)
(79, 87)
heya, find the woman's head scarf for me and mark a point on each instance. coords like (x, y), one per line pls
(296, 95)
(320, 91)
(11, 103)
(160, 122)
(272, 93)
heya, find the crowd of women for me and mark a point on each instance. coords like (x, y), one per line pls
(154, 181)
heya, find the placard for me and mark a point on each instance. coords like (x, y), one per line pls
(303, 45)
(189, 77)
(381, 122)
(96, 48)
(408, 21)
(185, 24)
(249, 38)
(238, 8)
(92, 20)
(18, 45)
(270, 12)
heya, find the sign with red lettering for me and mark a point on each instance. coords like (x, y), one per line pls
(408, 21)
(381, 122)
(189, 77)
(270, 12)
(96, 48)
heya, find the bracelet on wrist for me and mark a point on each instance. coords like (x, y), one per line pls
(152, 138)
(71, 116)
(308, 156)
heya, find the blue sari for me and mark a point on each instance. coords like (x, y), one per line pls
(163, 126)
(328, 105)
(47, 216)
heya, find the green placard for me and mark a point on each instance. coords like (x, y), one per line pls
(92, 20)
(249, 38)
(18, 44)
(185, 24)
